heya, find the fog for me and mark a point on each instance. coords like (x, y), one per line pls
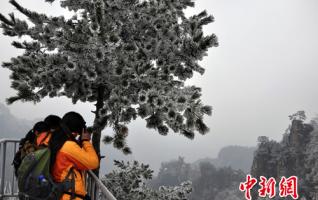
(264, 70)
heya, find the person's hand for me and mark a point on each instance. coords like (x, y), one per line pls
(86, 136)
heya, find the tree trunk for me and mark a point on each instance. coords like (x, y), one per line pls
(96, 143)
(98, 126)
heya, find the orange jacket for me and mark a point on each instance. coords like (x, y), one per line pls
(81, 159)
(43, 138)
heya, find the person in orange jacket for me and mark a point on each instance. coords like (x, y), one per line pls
(70, 156)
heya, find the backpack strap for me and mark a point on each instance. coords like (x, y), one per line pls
(69, 183)
(73, 185)
(72, 194)
(76, 195)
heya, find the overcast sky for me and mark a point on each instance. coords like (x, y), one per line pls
(264, 69)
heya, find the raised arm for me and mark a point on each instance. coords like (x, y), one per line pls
(84, 158)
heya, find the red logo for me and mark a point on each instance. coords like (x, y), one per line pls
(287, 187)
(247, 186)
(267, 187)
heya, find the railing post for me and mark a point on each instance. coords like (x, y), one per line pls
(13, 178)
(4, 147)
(103, 188)
(1, 170)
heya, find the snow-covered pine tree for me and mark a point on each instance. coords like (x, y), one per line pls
(128, 181)
(130, 57)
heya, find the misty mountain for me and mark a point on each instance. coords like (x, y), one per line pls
(236, 157)
(11, 126)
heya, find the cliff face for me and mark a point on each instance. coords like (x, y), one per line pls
(299, 135)
(286, 158)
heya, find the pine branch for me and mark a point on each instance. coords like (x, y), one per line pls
(202, 14)
(5, 20)
(187, 133)
(208, 41)
(13, 27)
(201, 127)
(207, 110)
(17, 45)
(11, 100)
(12, 17)
(20, 8)
(206, 20)
(75, 42)
(126, 150)
(107, 139)
(35, 17)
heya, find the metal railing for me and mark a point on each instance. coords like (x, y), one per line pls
(9, 189)
(8, 186)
